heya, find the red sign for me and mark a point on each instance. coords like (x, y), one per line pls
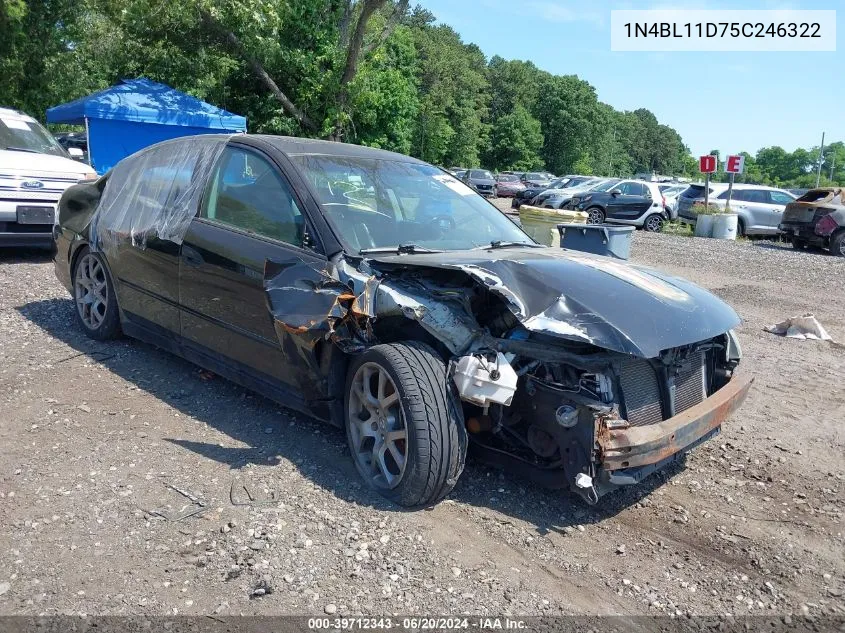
(707, 164)
(735, 164)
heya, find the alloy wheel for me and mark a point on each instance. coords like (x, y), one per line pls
(654, 224)
(377, 427)
(595, 216)
(91, 291)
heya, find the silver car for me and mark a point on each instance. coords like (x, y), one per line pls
(482, 181)
(759, 208)
(671, 191)
(556, 198)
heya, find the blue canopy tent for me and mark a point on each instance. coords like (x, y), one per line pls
(137, 113)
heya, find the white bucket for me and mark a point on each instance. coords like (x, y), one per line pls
(724, 226)
(704, 225)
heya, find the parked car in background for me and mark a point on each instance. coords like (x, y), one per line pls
(670, 192)
(508, 185)
(481, 181)
(75, 143)
(529, 193)
(817, 219)
(633, 202)
(535, 179)
(556, 198)
(302, 270)
(34, 172)
(457, 172)
(759, 208)
(549, 175)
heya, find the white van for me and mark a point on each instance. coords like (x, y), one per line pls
(34, 172)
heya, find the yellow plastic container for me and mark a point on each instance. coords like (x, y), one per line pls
(541, 224)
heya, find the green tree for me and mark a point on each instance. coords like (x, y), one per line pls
(516, 141)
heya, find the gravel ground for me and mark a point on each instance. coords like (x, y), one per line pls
(133, 483)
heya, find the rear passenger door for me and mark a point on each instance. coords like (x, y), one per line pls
(754, 206)
(248, 215)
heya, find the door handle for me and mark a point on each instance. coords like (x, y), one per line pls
(191, 256)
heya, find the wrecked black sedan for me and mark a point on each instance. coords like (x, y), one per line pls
(381, 294)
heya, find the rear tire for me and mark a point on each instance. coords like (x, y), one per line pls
(798, 245)
(95, 302)
(837, 244)
(653, 223)
(740, 228)
(595, 215)
(404, 423)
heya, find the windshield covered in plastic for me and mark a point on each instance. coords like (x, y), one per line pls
(28, 136)
(375, 204)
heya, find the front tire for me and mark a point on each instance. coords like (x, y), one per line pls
(404, 423)
(94, 297)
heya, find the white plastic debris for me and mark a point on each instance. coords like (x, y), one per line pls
(801, 327)
(582, 480)
(483, 382)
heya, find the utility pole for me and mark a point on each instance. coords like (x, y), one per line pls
(832, 163)
(610, 163)
(821, 154)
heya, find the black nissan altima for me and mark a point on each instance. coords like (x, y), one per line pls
(380, 294)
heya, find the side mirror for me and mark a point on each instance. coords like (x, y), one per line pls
(75, 152)
(615, 192)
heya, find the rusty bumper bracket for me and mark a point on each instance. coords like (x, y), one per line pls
(643, 445)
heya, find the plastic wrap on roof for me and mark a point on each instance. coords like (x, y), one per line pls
(154, 193)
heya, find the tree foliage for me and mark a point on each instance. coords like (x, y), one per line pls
(375, 72)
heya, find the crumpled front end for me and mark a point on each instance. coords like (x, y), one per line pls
(569, 389)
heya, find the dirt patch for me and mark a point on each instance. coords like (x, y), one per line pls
(132, 482)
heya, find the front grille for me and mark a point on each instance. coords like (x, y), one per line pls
(690, 383)
(641, 392)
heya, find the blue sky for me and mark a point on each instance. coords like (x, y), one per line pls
(726, 101)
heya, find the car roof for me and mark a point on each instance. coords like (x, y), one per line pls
(740, 185)
(292, 145)
(8, 113)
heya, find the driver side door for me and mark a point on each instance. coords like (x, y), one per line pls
(249, 216)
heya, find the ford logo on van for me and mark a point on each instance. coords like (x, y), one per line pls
(32, 184)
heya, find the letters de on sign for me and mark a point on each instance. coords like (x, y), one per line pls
(707, 164)
(735, 164)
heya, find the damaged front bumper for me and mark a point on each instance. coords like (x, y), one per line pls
(627, 453)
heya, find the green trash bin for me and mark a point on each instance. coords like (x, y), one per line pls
(600, 239)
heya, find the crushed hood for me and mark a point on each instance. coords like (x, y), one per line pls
(611, 304)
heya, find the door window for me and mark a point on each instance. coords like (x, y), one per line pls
(778, 197)
(757, 196)
(632, 188)
(248, 193)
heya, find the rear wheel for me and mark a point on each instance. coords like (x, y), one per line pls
(93, 293)
(404, 423)
(653, 223)
(595, 215)
(837, 244)
(798, 245)
(740, 228)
